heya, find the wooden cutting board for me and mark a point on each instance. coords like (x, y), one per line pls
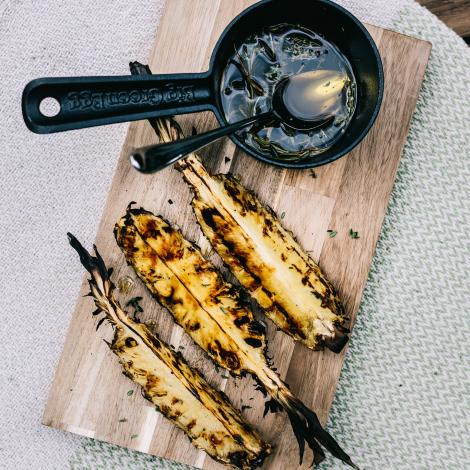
(89, 395)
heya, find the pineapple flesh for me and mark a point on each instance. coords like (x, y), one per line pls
(212, 313)
(179, 392)
(266, 259)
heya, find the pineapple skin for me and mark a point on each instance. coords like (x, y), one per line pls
(179, 392)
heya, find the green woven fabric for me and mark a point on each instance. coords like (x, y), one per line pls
(404, 396)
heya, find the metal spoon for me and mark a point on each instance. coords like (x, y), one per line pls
(303, 102)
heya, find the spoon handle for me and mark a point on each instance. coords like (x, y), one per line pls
(156, 157)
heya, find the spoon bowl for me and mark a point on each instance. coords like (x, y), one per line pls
(309, 100)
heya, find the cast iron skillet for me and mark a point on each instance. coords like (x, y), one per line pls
(93, 101)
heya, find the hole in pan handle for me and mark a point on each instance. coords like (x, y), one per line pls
(95, 101)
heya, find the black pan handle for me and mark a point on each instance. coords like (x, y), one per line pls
(95, 101)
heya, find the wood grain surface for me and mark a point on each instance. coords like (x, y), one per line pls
(454, 13)
(89, 395)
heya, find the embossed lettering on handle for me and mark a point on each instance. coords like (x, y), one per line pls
(93, 101)
(87, 99)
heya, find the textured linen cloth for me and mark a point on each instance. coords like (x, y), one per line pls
(403, 397)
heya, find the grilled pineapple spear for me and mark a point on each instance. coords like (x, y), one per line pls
(266, 259)
(211, 312)
(179, 392)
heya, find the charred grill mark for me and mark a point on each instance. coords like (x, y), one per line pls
(250, 205)
(281, 235)
(170, 249)
(234, 194)
(255, 342)
(152, 380)
(195, 394)
(267, 226)
(316, 294)
(232, 190)
(293, 327)
(170, 295)
(191, 424)
(194, 326)
(125, 236)
(328, 303)
(296, 268)
(283, 257)
(222, 413)
(232, 291)
(241, 260)
(324, 282)
(150, 228)
(237, 458)
(242, 320)
(340, 309)
(137, 211)
(171, 252)
(244, 198)
(230, 358)
(130, 342)
(329, 299)
(267, 292)
(215, 440)
(208, 216)
(257, 328)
